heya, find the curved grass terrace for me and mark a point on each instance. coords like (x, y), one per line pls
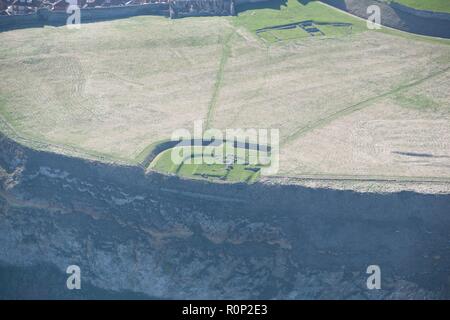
(233, 169)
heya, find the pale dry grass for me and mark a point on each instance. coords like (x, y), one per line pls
(113, 87)
(382, 140)
(291, 86)
(352, 105)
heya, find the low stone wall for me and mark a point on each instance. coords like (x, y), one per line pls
(25, 20)
(189, 8)
(99, 14)
(46, 17)
(238, 2)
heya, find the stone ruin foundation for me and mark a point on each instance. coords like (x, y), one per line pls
(187, 8)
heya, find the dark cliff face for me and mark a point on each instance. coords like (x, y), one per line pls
(394, 15)
(158, 236)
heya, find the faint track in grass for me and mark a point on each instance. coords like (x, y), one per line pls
(356, 107)
(226, 50)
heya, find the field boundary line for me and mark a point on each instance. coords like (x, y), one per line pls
(226, 50)
(356, 107)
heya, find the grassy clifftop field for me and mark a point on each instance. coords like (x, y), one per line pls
(347, 101)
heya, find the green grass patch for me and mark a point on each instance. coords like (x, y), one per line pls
(277, 35)
(416, 101)
(141, 156)
(267, 14)
(232, 171)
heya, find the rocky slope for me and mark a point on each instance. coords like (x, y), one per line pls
(163, 237)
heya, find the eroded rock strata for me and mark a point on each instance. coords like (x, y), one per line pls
(164, 237)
